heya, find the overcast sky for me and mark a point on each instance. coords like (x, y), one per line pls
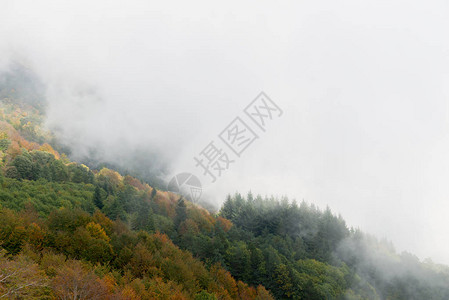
(364, 87)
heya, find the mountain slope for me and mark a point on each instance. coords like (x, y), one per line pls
(119, 238)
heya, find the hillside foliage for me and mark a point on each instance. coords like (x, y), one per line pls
(71, 232)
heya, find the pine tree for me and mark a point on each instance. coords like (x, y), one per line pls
(153, 193)
(97, 198)
(144, 219)
(181, 212)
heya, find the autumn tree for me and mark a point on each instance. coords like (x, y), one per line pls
(75, 281)
(21, 279)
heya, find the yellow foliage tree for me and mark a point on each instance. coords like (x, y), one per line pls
(47, 148)
(113, 176)
(96, 231)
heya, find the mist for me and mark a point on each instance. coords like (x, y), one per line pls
(364, 89)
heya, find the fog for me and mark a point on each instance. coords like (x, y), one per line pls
(363, 86)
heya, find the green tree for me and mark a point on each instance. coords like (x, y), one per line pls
(58, 171)
(181, 212)
(4, 144)
(11, 172)
(144, 219)
(98, 199)
(238, 259)
(80, 174)
(24, 166)
(153, 193)
(114, 209)
(203, 295)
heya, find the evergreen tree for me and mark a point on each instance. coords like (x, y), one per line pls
(98, 201)
(153, 193)
(144, 219)
(181, 212)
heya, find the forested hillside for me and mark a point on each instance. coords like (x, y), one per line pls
(71, 232)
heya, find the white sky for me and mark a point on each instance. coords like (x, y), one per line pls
(364, 86)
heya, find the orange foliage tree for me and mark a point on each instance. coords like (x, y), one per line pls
(74, 281)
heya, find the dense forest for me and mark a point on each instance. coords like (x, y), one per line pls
(71, 232)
